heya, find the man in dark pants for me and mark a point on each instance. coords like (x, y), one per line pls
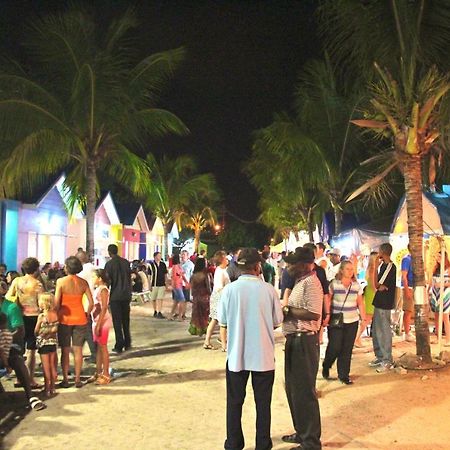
(249, 310)
(119, 272)
(301, 327)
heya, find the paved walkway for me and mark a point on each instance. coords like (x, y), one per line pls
(171, 395)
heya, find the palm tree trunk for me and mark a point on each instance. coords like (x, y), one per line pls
(166, 241)
(310, 224)
(412, 173)
(196, 239)
(337, 220)
(91, 197)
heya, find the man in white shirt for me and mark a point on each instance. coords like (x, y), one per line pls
(249, 310)
(188, 268)
(335, 259)
(88, 274)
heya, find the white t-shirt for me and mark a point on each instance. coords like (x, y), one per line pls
(221, 279)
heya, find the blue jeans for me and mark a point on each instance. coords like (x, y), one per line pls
(382, 335)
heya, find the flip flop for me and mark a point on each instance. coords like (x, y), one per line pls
(78, 384)
(64, 384)
(36, 404)
(36, 386)
(208, 347)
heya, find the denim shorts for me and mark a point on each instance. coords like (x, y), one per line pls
(178, 295)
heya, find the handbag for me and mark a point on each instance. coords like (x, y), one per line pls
(337, 319)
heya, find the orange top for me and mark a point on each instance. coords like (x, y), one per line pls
(71, 311)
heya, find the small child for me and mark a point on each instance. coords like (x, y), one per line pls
(101, 323)
(46, 340)
(6, 339)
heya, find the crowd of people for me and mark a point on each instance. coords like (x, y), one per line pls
(53, 307)
(317, 291)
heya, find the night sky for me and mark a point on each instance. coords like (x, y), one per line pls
(243, 60)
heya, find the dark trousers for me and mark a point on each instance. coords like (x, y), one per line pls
(90, 340)
(120, 311)
(301, 358)
(17, 363)
(262, 383)
(340, 346)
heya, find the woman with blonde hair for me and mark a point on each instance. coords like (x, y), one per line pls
(221, 279)
(369, 294)
(347, 306)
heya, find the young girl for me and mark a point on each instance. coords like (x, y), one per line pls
(101, 323)
(46, 340)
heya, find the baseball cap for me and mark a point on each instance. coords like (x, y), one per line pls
(249, 256)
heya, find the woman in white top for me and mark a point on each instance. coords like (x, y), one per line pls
(221, 279)
(346, 298)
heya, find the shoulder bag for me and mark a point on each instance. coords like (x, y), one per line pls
(337, 319)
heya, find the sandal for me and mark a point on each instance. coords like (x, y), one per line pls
(36, 404)
(102, 380)
(92, 379)
(78, 384)
(208, 347)
(36, 386)
(64, 384)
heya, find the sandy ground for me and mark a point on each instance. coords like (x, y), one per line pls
(171, 395)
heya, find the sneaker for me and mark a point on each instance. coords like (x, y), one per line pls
(160, 316)
(155, 314)
(375, 363)
(385, 367)
(409, 338)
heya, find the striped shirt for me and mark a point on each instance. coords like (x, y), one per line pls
(307, 294)
(338, 293)
(6, 339)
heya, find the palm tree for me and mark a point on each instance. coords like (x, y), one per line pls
(176, 188)
(83, 105)
(410, 52)
(198, 219)
(317, 143)
(286, 202)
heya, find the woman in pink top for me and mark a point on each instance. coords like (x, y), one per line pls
(101, 323)
(178, 281)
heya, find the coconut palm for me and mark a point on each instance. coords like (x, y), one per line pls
(83, 103)
(176, 189)
(198, 219)
(409, 44)
(286, 202)
(317, 143)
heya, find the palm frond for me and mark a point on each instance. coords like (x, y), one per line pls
(116, 36)
(149, 77)
(25, 166)
(128, 169)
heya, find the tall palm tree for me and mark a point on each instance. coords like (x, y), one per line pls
(176, 188)
(317, 143)
(84, 104)
(410, 51)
